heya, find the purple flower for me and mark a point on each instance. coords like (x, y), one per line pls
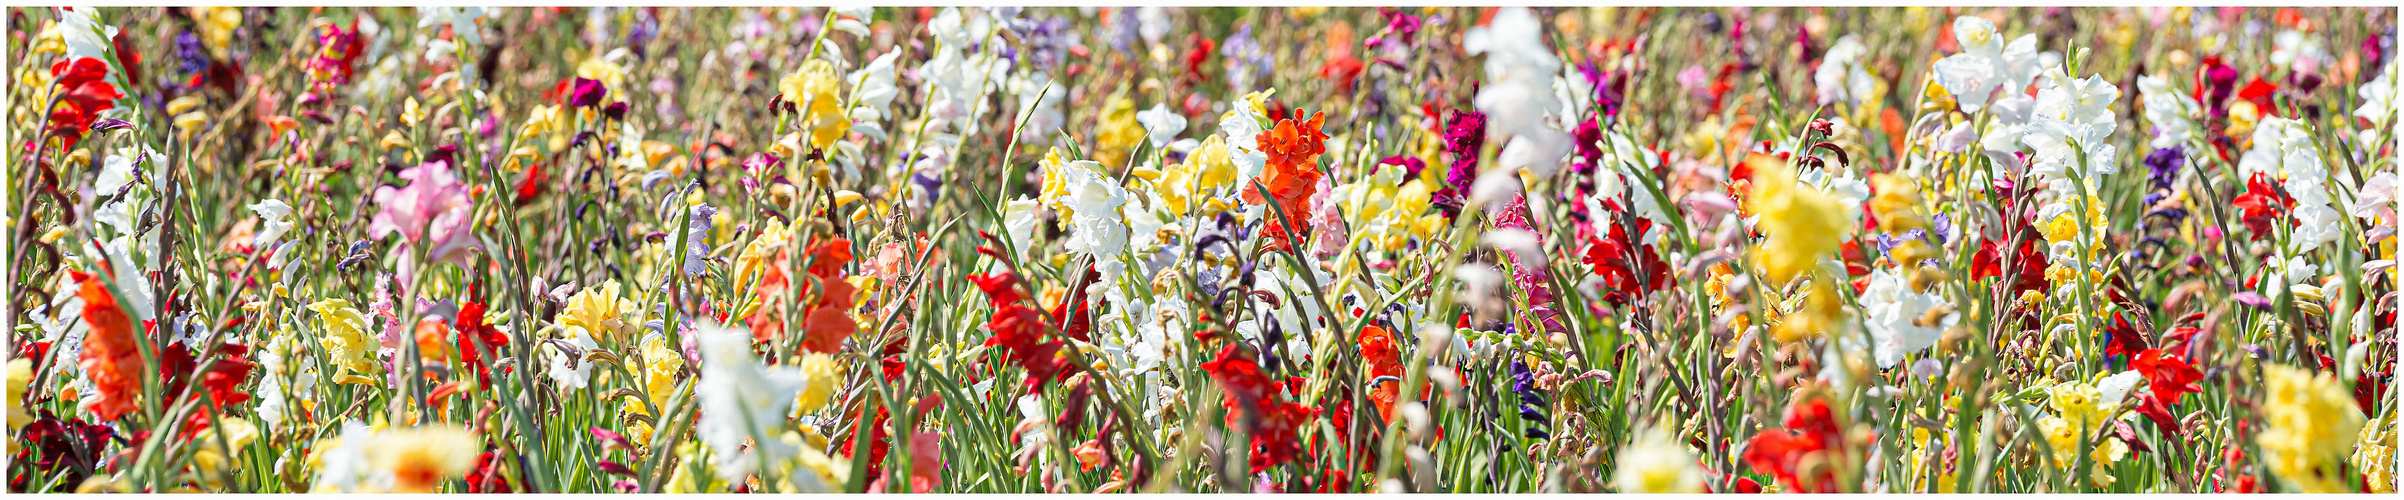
(2164, 164)
(1531, 399)
(640, 35)
(1245, 58)
(432, 212)
(927, 181)
(1944, 227)
(190, 56)
(588, 92)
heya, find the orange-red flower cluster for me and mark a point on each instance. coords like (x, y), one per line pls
(111, 358)
(1810, 429)
(826, 322)
(1385, 360)
(1292, 176)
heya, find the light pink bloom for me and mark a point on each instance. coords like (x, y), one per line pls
(433, 212)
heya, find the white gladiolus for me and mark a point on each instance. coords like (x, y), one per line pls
(1841, 77)
(743, 403)
(1986, 64)
(1518, 95)
(2171, 111)
(1893, 312)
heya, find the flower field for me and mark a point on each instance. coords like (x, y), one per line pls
(1123, 250)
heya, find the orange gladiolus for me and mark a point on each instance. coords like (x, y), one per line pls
(1292, 176)
(111, 358)
(768, 319)
(1385, 360)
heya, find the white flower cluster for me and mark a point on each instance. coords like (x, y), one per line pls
(1841, 77)
(1986, 64)
(2066, 125)
(1518, 94)
(1892, 314)
(961, 78)
(742, 401)
(2171, 111)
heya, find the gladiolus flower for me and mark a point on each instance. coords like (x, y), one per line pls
(1810, 429)
(1292, 175)
(432, 213)
(87, 93)
(111, 358)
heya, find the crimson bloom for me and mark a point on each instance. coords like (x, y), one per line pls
(220, 381)
(2261, 204)
(1020, 328)
(2170, 375)
(587, 92)
(1810, 429)
(473, 332)
(1253, 399)
(1628, 270)
(85, 93)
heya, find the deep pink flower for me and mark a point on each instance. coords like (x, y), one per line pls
(588, 92)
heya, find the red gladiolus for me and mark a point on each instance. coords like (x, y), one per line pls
(880, 436)
(486, 476)
(2122, 338)
(2370, 387)
(85, 94)
(1275, 423)
(1626, 278)
(1810, 428)
(1203, 50)
(1343, 70)
(2261, 204)
(471, 333)
(530, 187)
(220, 381)
(55, 446)
(2158, 411)
(2258, 92)
(2170, 375)
(826, 323)
(2028, 263)
(1020, 328)
(1073, 313)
